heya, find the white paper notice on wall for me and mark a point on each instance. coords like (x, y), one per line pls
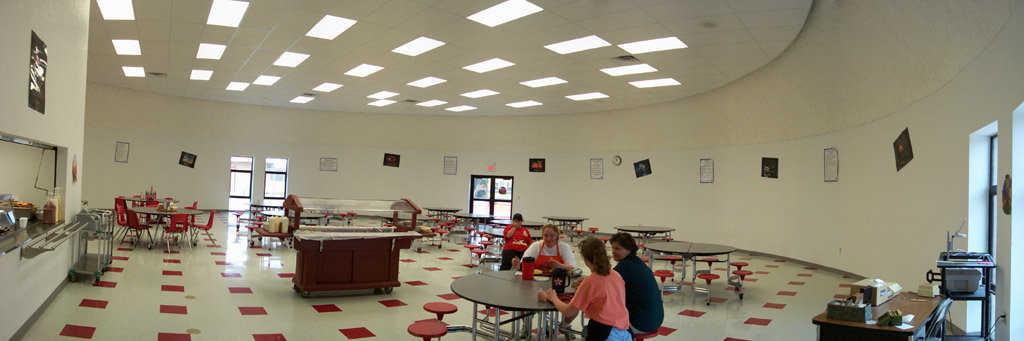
(831, 165)
(707, 171)
(121, 152)
(328, 164)
(451, 165)
(596, 169)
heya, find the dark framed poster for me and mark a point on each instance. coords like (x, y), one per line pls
(902, 149)
(642, 168)
(392, 160)
(537, 165)
(187, 159)
(37, 75)
(770, 167)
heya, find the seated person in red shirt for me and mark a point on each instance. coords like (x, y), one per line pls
(550, 252)
(601, 296)
(517, 239)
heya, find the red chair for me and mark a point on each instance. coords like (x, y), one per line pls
(205, 228)
(169, 199)
(195, 204)
(640, 337)
(135, 203)
(428, 329)
(178, 226)
(135, 226)
(708, 277)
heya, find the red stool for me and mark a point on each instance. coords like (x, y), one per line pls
(593, 230)
(645, 259)
(638, 337)
(739, 265)
(743, 274)
(479, 252)
(710, 260)
(708, 278)
(428, 329)
(238, 216)
(663, 274)
(486, 243)
(605, 240)
(672, 259)
(471, 247)
(440, 308)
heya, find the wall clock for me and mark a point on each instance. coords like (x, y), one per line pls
(616, 160)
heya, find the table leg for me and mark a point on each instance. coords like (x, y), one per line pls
(473, 314)
(497, 323)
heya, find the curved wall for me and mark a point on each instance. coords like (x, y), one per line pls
(860, 73)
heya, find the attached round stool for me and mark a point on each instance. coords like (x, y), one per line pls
(709, 260)
(708, 278)
(594, 230)
(645, 259)
(672, 259)
(743, 274)
(428, 329)
(663, 274)
(605, 240)
(739, 265)
(637, 337)
(440, 308)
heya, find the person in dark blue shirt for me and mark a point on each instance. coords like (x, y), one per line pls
(643, 297)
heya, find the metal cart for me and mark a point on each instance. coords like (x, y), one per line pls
(96, 233)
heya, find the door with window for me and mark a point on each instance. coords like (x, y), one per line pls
(275, 182)
(240, 189)
(491, 195)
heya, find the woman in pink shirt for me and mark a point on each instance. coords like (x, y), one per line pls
(601, 297)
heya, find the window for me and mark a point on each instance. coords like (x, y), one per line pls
(240, 176)
(491, 195)
(275, 184)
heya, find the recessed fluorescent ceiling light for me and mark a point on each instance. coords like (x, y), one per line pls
(427, 81)
(461, 108)
(327, 87)
(653, 45)
(586, 96)
(363, 70)
(524, 104)
(628, 70)
(301, 99)
(266, 80)
(134, 71)
(504, 12)
(489, 65)
(431, 103)
(201, 75)
(418, 46)
(383, 95)
(290, 59)
(227, 12)
(652, 83)
(480, 93)
(116, 9)
(381, 102)
(210, 51)
(237, 86)
(536, 83)
(127, 47)
(577, 45)
(330, 27)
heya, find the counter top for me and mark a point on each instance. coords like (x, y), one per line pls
(13, 240)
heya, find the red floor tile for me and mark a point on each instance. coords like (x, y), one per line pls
(780, 260)
(774, 305)
(230, 274)
(326, 308)
(263, 254)
(356, 333)
(692, 313)
(101, 304)
(255, 246)
(421, 251)
(119, 258)
(734, 339)
(240, 290)
(171, 273)
(719, 269)
(173, 337)
(174, 252)
(748, 279)
(454, 277)
(213, 246)
(810, 268)
(392, 303)
(454, 250)
(416, 283)
(757, 321)
(445, 258)
(106, 284)
(220, 262)
(449, 296)
(469, 265)
(665, 331)
(114, 269)
(173, 309)
(844, 285)
(490, 312)
(786, 293)
(217, 254)
(77, 331)
(717, 300)
(407, 261)
(126, 249)
(795, 283)
(286, 275)
(431, 268)
(252, 311)
(762, 272)
(177, 288)
(172, 261)
(772, 266)
(804, 275)
(268, 337)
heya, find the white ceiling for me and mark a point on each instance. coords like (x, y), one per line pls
(727, 39)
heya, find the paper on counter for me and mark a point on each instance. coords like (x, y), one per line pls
(905, 326)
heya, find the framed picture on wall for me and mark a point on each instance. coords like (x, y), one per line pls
(328, 164)
(642, 168)
(902, 149)
(392, 160)
(831, 165)
(707, 171)
(537, 165)
(770, 167)
(37, 75)
(121, 151)
(187, 159)
(450, 165)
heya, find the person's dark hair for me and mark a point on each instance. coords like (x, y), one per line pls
(626, 241)
(517, 217)
(592, 250)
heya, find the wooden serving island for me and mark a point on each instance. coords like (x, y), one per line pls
(335, 258)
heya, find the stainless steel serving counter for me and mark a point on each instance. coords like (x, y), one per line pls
(15, 239)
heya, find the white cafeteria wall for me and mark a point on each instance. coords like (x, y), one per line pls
(852, 89)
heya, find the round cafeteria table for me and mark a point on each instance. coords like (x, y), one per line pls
(445, 213)
(528, 224)
(504, 291)
(566, 223)
(646, 232)
(500, 232)
(689, 251)
(263, 206)
(143, 200)
(159, 213)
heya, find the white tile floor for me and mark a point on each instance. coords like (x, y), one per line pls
(133, 305)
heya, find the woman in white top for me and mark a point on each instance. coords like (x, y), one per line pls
(550, 253)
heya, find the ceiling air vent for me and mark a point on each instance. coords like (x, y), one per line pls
(157, 74)
(309, 94)
(410, 100)
(627, 59)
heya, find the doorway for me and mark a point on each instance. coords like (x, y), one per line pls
(491, 195)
